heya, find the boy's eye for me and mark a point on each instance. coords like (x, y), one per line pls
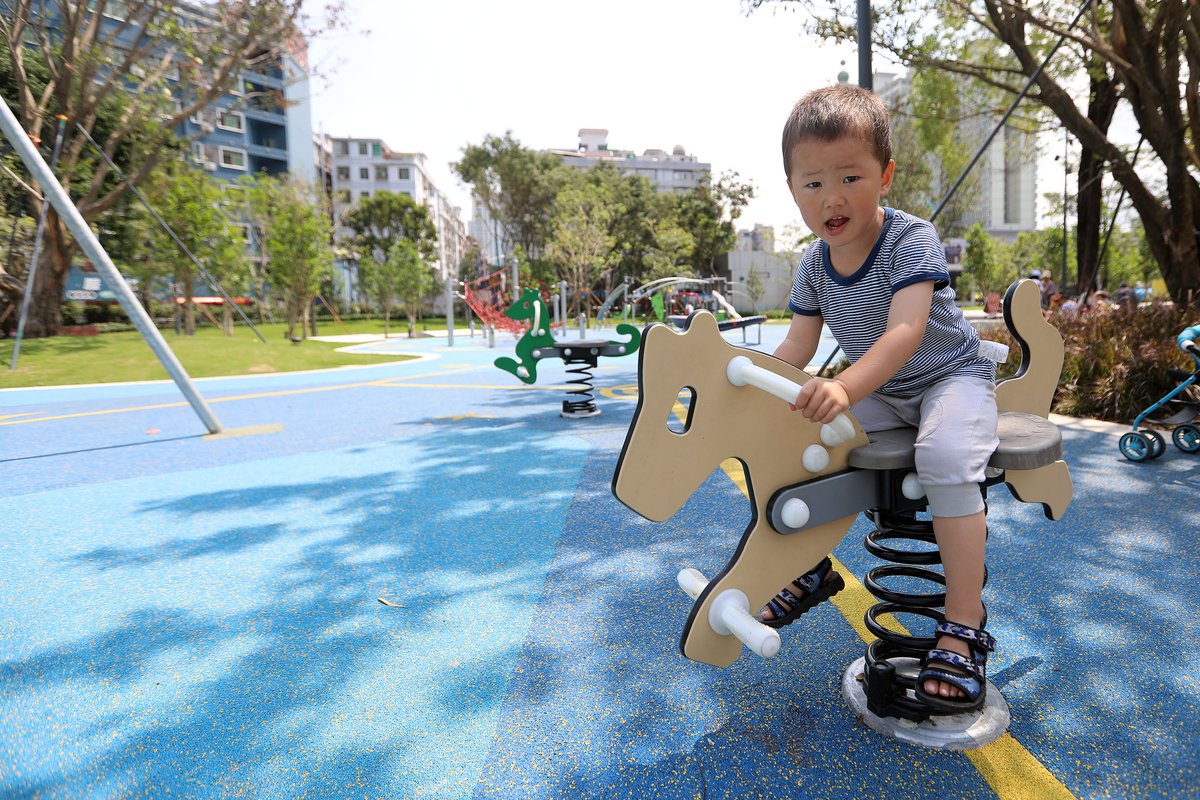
(813, 185)
(850, 179)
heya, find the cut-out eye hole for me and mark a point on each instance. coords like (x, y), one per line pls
(679, 418)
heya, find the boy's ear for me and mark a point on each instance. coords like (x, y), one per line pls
(886, 184)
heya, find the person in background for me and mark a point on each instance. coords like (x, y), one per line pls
(1048, 289)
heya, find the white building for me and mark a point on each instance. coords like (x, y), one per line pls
(755, 260)
(676, 171)
(1007, 197)
(360, 167)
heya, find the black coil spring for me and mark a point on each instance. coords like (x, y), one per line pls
(889, 689)
(583, 393)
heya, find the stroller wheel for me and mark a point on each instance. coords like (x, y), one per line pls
(1135, 447)
(1158, 445)
(1187, 438)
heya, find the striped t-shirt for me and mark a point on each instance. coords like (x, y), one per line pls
(856, 308)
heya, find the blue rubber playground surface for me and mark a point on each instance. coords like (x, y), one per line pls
(412, 581)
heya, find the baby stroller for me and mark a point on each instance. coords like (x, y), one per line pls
(1181, 405)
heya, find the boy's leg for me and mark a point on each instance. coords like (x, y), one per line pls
(962, 542)
(956, 438)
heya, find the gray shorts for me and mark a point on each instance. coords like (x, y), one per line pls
(956, 435)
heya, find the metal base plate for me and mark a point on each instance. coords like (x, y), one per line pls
(581, 414)
(954, 732)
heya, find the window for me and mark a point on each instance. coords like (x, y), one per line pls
(364, 194)
(172, 73)
(376, 150)
(199, 153)
(232, 121)
(233, 158)
(341, 147)
(402, 173)
(117, 9)
(343, 195)
(343, 173)
(364, 173)
(381, 173)
(362, 150)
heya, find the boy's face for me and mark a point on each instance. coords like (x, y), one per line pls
(837, 186)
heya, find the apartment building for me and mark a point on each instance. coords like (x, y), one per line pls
(360, 167)
(1006, 202)
(263, 124)
(677, 171)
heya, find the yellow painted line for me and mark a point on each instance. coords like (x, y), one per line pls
(1011, 771)
(232, 398)
(14, 416)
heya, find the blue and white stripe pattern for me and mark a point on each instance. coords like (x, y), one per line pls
(856, 308)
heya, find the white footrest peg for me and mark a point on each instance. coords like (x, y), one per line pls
(692, 581)
(729, 615)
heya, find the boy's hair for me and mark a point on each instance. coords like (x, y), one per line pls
(834, 112)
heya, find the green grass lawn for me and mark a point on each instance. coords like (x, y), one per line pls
(125, 356)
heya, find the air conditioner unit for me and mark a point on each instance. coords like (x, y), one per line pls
(210, 166)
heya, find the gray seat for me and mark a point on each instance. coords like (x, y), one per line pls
(1027, 441)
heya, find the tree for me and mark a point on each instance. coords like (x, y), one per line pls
(380, 221)
(293, 232)
(414, 279)
(1145, 53)
(190, 202)
(671, 252)
(515, 185)
(130, 73)
(377, 277)
(981, 263)
(580, 242)
(708, 214)
(754, 286)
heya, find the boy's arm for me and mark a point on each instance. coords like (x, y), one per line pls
(823, 400)
(800, 344)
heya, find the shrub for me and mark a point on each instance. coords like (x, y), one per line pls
(1115, 363)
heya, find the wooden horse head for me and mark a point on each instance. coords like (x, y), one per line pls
(662, 464)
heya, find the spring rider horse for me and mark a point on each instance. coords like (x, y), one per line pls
(580, 356)
(808, 482)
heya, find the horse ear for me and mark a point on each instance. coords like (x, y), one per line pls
(702, 324)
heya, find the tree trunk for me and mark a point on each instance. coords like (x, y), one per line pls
(45, 307)
(1102, 103)
(227, 321)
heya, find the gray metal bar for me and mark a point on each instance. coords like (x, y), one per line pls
(866, 77)
(87, 240)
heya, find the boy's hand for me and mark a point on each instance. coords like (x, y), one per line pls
(822, 399)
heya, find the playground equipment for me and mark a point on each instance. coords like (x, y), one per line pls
(580, 356)
(808, 482)
(1148, 443)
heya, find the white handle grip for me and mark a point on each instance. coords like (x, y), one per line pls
(741, 371)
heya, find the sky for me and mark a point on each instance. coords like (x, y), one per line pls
(434, 76)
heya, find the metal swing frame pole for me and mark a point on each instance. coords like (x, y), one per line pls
(53, 191)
